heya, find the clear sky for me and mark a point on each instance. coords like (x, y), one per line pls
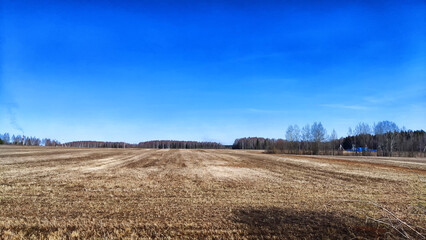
(208, 70)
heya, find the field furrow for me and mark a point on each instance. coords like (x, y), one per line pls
(180, 193)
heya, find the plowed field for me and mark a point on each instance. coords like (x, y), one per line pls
(77, 193)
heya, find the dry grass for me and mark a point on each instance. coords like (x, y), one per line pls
(209, 194)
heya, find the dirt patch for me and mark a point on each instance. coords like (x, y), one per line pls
(412, 169)
(277, 223)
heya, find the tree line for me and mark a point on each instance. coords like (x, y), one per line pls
(33, 141)
(27, 141)
(308, 139)
(98, 144)
(253, 143)
(160, 144)
(381, 139)
(180, 144)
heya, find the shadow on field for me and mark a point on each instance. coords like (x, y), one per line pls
(291, 224)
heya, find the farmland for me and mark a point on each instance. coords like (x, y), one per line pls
(85, 193)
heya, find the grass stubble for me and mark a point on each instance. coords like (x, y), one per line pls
(66, 193)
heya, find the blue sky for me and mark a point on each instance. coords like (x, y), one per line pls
(212, 71)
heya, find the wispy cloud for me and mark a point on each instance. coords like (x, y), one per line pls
(255, 110)
(396, 95)
(345, 106)
(254, 57)
(11, 111)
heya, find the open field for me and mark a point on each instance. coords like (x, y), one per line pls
(225, 194)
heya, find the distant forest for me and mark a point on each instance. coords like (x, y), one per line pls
(33, 141)
(149, 144)
(381, 139)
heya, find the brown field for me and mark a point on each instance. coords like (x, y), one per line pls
(76, 193)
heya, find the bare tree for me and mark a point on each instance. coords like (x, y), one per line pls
(289, 135)
(318, 133)
(363, 130)
(333, 138)
(297, 137)
(385, 133)
(306, 137)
